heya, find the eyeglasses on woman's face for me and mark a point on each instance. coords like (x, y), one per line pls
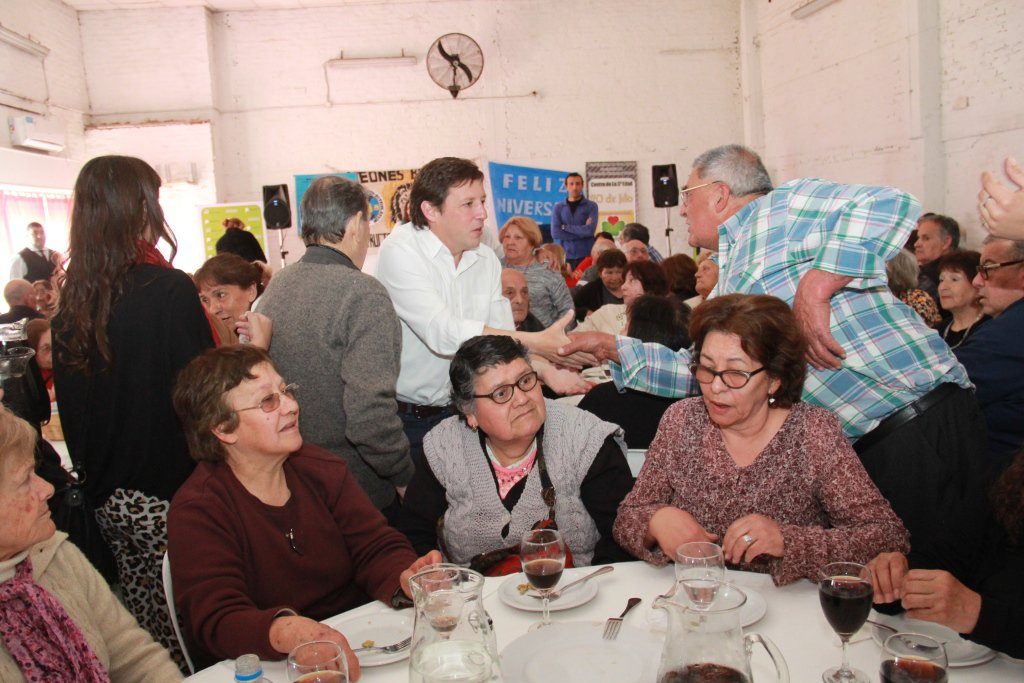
(272, 402)
(734, 379)
(504, 393)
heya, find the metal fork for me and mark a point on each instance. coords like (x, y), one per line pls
(387, 649)
(612, 626)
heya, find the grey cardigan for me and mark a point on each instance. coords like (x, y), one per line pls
(336, 334)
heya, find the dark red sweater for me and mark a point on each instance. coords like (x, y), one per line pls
(234, 569)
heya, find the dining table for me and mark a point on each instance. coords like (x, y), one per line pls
(793, 620)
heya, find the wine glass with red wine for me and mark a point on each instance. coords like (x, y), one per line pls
(913, 658)
(542, 552)
(845, 592)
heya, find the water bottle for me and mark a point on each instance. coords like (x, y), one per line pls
(249, 669)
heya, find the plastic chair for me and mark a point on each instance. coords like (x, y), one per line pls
(169, 595)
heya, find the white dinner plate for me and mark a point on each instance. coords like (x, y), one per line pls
(573, 652)
(580, 595)
(383, 628)
(960, 652)
(753, 611)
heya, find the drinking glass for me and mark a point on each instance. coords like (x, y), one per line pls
(542, 552)
(700, 569)
(321, 661)
(913, 658)
(844, 589)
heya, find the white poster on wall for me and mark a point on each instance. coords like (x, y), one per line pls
(612, 184)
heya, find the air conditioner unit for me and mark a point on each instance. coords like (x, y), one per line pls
(34, 132)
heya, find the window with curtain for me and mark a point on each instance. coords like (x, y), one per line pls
(21, 206)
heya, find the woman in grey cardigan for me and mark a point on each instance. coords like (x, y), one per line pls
(549, 295)
(491, 469)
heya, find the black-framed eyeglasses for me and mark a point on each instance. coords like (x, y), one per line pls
(734, 379)
(985, 269)
(504, 393)
(272, 402)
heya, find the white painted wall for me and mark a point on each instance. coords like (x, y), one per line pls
(917, 93)
(54, 25)
(613, 81)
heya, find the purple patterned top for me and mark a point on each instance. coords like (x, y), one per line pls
(807, 479)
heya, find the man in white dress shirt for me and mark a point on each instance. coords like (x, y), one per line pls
(446, 288)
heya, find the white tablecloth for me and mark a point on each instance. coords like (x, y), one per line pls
(794, 622)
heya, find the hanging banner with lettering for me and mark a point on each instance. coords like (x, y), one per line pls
(219, 217)
(389, 198)
(525, 191)
(612, 184)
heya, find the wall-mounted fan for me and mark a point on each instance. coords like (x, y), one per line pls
(455, 61)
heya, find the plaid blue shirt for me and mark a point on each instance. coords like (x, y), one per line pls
(892, 357)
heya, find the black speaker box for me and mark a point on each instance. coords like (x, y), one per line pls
(665, 185)
(277, 213)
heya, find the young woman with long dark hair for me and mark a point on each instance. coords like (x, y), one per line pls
(127, 323)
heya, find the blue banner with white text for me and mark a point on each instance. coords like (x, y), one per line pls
(525, 191)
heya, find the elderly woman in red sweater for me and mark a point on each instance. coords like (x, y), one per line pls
(748, 465)
(269, 535)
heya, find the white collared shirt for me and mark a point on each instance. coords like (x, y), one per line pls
(440, 305)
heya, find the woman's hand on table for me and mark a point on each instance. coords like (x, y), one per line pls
(433, 557)
(288, 632)
(763, 533)
(933, 595)
(887, 573)
(671, 527)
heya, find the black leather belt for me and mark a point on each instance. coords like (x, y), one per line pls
(420, 412)
(904, 415)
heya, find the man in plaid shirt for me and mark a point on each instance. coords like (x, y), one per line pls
(900, 394)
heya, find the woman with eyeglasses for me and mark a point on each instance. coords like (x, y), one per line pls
(269, 535)
(749, 466)
(511, 461)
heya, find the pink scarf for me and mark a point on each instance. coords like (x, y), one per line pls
(41, 637)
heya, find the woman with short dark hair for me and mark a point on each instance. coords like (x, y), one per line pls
(639, 278)
(959, 297)
(269, 535)
(228, 286)
(748, 465)
(656, 320)
(511, 460)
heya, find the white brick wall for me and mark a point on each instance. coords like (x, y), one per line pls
(606, 89)
(655, 81)
(842, 95)
(146, 60)
(55, 25)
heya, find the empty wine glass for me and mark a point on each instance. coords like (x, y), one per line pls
(542, 552)
(844, 589)
(913, 658)
(700, 569)
(321, 661)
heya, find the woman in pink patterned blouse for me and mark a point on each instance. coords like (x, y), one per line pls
(747, 465)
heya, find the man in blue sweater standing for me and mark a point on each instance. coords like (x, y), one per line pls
(574, 221)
